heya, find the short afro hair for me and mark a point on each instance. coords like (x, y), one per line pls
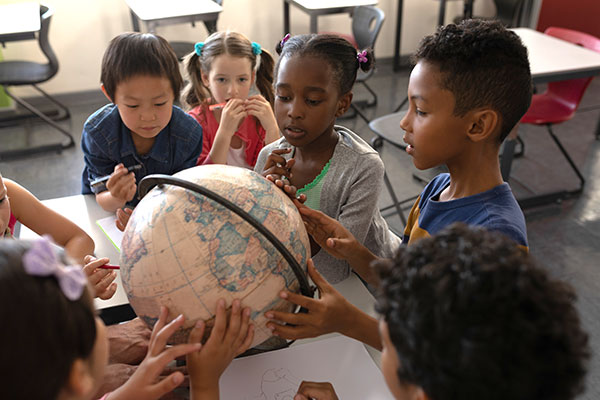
(471, 316)
(483, 64)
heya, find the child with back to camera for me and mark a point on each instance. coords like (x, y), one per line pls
(221, 72)
(336, 170)
(466, 314)
(470, 86)
(140, 77)
(53, 327)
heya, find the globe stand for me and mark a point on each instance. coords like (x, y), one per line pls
(150, 181)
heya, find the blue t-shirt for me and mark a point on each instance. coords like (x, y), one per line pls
(106, 142)
(495, 209)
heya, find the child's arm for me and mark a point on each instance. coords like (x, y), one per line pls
(144, 383)
(121, 189)
(232, 115)
(259, 107)
(316, 391)
(339, 242)
(330, 313)
(28, 210)
(225, 342)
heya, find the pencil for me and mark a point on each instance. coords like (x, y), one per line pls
(213, 107)
(108, 266)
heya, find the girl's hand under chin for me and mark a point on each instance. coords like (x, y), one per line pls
(232, 116)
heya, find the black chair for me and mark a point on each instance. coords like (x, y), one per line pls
(20, 73)
(508, 12)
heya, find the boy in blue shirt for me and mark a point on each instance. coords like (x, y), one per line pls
(466, 314)
(140, 76)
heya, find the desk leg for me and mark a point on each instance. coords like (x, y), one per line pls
(398, 35)
(286, 17)
(442, 13)
(134, 22)
(313, 24)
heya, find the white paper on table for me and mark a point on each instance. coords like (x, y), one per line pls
(276, 375)
(109, 227)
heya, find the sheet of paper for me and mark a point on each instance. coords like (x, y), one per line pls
(276, 375)
(110, 229)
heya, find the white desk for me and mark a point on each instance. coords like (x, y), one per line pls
(19, 21)
(84, 211)
(550, 59)
(159, 12)
(314, 8)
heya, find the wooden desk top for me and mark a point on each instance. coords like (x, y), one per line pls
(19, 21)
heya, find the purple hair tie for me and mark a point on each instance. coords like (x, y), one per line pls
(41, 260)
(285, 39)
(362, 57)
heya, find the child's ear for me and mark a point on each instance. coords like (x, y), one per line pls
(485, 124)
(204, 77)
(80, 383)
(106, 93)
(343, 104)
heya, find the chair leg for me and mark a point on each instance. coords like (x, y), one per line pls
(559, 195)
(58, 147)
(66, 114)
(571, 163)
(396, 203)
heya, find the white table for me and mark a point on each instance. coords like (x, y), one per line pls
(159, 12)
(19, 21)
(314, 8)
(550, 59)
(84, 211)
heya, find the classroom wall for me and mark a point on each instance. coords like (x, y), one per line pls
(81, 29)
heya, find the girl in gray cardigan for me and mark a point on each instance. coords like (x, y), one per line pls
(337, 171)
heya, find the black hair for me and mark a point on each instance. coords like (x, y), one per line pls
(133, 53)
(338, 52)
(42, 333)
(483, 64)
(234, 44)
(471, 316)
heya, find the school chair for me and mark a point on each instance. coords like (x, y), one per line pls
(387, 129)
(558, 104)
(366, 25)
(508, 12)
(20, 73)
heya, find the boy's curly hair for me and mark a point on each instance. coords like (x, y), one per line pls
(472, 317)
(483, 64)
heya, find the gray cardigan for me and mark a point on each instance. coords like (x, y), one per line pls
(350, 193)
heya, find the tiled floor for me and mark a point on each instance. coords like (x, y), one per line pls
(565, 237)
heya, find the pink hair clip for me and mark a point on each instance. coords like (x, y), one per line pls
(362, 57)
(285, 39)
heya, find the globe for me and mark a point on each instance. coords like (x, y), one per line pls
(183, 250)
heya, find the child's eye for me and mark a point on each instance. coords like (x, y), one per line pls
(243, 79)
(221, 80)
(3, 199)
(283, 98)
(311, 102)
(160, 104)
(419, 112)
(131, 106)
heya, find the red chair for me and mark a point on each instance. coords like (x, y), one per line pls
(558, 104)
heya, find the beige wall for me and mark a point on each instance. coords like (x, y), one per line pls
(81, 29)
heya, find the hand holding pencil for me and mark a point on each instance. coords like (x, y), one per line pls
(101, 276)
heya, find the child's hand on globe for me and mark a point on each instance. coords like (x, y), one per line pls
(226, 341)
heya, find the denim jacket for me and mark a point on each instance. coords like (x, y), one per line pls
(106, 142)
